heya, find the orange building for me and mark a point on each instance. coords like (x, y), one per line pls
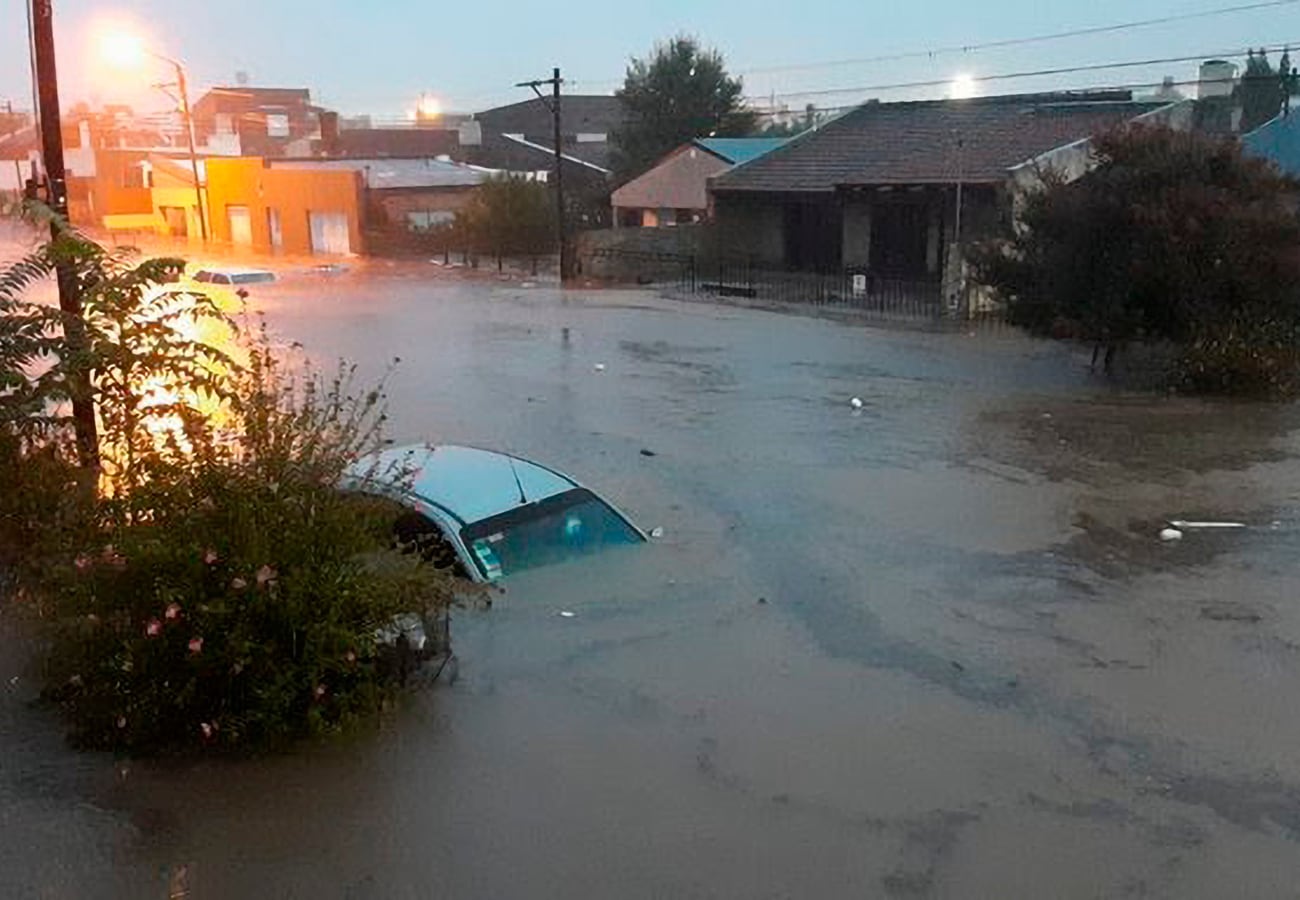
(289, 210)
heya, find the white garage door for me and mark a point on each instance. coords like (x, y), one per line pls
(241, 226)
(329, 232)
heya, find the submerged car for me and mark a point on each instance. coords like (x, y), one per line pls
(487, 514)
(232, 276)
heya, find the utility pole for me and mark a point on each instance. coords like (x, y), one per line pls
(189, 137)
(56, 196)
(553, 104)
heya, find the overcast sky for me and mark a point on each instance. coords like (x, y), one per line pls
(378, 56)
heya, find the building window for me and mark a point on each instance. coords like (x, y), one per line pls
(277, 125)
(428, 219)
(592, 137)
(225, 123)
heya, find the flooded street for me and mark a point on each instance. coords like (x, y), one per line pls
(932, 647)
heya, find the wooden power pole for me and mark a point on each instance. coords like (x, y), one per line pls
(561, 224)
(56, 197)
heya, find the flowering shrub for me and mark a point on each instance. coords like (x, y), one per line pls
(207, 586)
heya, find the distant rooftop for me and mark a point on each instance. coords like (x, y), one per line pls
(1277, 140)
(385, 173)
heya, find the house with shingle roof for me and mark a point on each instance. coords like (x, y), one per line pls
(674, 191)
(890, 188)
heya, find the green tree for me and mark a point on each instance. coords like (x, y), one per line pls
(1261, 90)
(508, 215)
(210, 585)
(1171, 237)
(680, 93)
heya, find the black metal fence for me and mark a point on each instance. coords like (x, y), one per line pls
(848, 288)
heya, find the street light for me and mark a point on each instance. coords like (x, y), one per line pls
(125, 50)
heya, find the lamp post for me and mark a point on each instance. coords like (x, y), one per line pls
(123, 49)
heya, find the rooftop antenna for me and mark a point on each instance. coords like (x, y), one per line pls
(523, 499)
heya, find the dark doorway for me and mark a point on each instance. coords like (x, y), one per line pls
(813, 233)
(175, 218)
(899, 236)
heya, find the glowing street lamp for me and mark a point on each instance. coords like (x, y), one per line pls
(124, 50)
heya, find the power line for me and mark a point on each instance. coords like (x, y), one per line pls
(1015, 42)
(1064, 93)
(942, 50)
(1032, 73)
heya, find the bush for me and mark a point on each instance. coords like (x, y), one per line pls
(211, 587)
(1252, 359)
(1170, 237)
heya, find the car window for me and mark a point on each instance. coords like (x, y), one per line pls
(252, 277)
(203, 275)
(414, 533)
(220, 278)
(575, 523)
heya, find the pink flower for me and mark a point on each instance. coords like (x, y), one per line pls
(209, 556)
(92, 618)
(153, 629)
(112, 557)
(237, 668)
(196, 645)
(75, 681)
(350, 656)
(207, 730)
(82, 562)
(238, 583)
(318, 691)
(265, 576)
(121, 721)
(173, 611)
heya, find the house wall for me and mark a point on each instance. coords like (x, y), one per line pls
(293, 192)
(678, 182)
(392, 204)
(751, 228)
(172, 192)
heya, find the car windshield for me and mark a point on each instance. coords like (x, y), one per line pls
(252, 277)
(575, 523)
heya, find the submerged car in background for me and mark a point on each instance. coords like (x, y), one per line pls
(488, 515)
(232, 276)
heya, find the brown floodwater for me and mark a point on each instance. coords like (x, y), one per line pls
(932, 647)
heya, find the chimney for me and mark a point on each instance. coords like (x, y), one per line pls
(471, 133)
(1216, 79)
(329, 132)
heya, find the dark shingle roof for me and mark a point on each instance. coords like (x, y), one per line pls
(579, 113)
(917, 142)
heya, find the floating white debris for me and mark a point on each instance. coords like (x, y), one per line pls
(1192, 526)
(1171, 534)
(657, 531)
(567, 613)
(856, 403)
(599, 367)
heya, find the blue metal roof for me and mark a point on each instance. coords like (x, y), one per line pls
(1278, 140)
(740, 150)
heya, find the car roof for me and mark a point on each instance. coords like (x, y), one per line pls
(234, 270)
(469, 483)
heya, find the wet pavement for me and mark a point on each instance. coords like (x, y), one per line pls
(933, 647)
